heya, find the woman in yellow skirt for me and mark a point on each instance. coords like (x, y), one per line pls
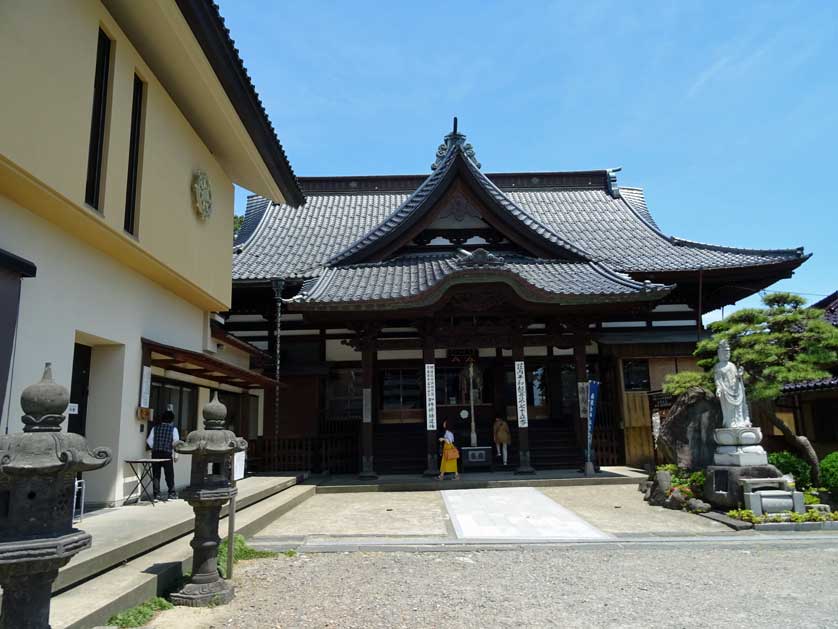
(450, 454)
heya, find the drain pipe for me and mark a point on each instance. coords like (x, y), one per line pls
(277, 284)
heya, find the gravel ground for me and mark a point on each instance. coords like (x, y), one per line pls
(609, 585)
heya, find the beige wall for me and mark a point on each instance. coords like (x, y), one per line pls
(49, 53)
(80, 293)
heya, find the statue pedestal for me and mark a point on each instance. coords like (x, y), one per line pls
(738, 456)
(740, 459)
(739, 446)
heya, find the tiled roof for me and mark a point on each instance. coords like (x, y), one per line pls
(829, 305)
(578, 216)
(812, 385)
(412, 280)
(412, 209)
(253, 213)
(208, 27)
(294, 242)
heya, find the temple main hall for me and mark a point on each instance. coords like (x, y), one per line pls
(387, 305)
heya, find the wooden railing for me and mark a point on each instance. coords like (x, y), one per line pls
(336, 454)
(608, 438)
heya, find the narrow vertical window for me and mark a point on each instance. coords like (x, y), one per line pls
(131, 191)
(95, 154)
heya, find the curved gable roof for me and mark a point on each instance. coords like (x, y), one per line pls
(455, 162)
(419, 280)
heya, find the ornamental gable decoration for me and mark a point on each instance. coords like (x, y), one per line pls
(202, 194)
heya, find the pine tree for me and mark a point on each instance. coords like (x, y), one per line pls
(782, 343)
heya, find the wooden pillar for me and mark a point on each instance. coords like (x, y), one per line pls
(580, 362)
(524, 466)
(429, 361)
(368, 366)
(499, 384)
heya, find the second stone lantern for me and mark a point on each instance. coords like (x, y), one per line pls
(211, 485)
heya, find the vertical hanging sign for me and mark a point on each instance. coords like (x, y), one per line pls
(583, 389)
(521, 393)
(593, 394)
(430, 396)
(145, 387)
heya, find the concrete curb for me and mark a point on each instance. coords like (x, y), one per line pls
(797, 526)
(420, 485)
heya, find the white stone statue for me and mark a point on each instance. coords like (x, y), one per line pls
(730, 389)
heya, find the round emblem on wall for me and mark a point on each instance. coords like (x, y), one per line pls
(202, 194)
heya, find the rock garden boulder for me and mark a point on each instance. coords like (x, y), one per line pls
(676, 501)
(695, 505)
(658, 492)
(686, 433)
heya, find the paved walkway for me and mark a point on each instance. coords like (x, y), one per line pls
(439, 520)
(514, 514)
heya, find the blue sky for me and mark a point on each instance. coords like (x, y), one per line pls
(724, 112)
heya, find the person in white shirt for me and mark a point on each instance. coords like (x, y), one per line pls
(161, 440)
(450, 454)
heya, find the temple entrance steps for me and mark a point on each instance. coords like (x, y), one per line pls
(402, 448)
(553, 445)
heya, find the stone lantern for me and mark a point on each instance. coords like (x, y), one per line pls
(38, 469)
(210, 486)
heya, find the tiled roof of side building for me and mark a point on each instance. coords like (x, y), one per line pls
(823, 384)
(829, 305)
(414, 280)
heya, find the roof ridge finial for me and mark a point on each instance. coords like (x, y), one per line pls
(455, 138)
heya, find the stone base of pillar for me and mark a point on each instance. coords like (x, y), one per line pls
(367, 469)
(432, 457)
(524, 466)
(218, 592)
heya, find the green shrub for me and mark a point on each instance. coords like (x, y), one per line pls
(141, 614)
(241, 552)
(696, 481)
(829, 473)
(679, 476)
(811, 497)
(679, 383)
(788, 463)
(746, 515)
(809, 516)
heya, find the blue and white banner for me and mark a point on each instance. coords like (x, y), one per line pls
(593, 394)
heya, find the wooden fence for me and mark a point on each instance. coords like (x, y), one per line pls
(336, 454)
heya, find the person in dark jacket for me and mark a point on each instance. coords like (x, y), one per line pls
(160, 440)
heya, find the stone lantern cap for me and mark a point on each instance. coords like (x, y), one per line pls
(42, 448)
(212, 439)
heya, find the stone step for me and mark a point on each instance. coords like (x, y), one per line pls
(126, 532)
(91, 603)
